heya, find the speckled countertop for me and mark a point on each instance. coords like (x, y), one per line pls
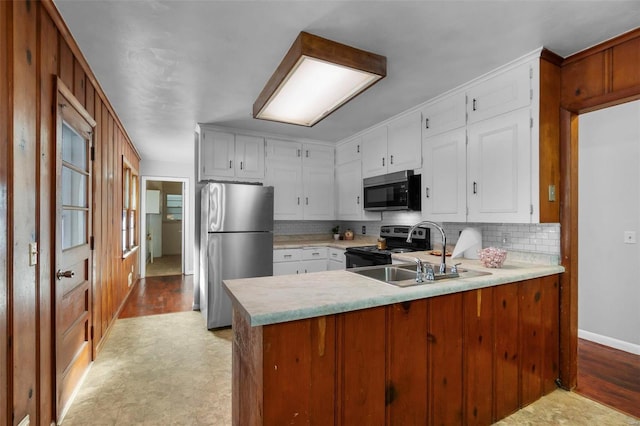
(320, 240)
(270, 300)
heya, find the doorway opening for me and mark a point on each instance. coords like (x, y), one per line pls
(163, 224)
(609, 217)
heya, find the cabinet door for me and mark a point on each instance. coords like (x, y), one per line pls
(349, 151)
(505, 92)
(283, 171)
(217, 152)
(444, 179)
(318, 193)
(318, 155)
(308, 266)
(404, 147)
(349, 186)
(499, 169)
(443, 115)
(249, 157)
(283, 150)
(286, 268)
(374, 152)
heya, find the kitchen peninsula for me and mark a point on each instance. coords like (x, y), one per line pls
(338, 348)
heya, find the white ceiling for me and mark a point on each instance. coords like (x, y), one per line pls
(167, 65)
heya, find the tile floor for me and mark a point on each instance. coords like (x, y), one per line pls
(169, 370)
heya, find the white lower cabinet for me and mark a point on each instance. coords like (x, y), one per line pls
(299, 261)
(336, 260)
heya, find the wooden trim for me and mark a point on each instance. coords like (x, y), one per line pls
(69, 96)
(65, 34)
(604, 101)
(569, 249)
(551, 57)
(602, 46)
(327, 50)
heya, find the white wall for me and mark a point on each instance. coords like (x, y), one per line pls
(609, 205)
(185, 171)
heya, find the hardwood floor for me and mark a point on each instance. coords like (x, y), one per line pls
(609, 376)
(159, 295)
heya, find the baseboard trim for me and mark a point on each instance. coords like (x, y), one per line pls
(610, 341)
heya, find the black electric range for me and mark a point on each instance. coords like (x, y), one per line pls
(396, 241)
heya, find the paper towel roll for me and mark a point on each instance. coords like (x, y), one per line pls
(468, 244)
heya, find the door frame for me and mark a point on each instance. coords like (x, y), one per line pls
(186, 215)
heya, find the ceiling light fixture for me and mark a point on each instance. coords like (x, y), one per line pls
(315, 78)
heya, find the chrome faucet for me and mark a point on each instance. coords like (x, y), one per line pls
(443, 263)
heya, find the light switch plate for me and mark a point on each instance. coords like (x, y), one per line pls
(629, 237)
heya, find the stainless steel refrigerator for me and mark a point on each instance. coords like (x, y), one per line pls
(236, 241)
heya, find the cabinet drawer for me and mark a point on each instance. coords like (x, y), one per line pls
(336, 255)
(287, 255)
(314, 253)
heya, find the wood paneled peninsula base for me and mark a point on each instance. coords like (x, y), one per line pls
(466, 357)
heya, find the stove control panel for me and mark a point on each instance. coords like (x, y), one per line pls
(401, 231)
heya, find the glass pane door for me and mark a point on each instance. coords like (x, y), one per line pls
(75, 176)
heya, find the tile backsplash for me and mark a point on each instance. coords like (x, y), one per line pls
(531, 238)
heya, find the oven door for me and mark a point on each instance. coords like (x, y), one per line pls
(355, 260)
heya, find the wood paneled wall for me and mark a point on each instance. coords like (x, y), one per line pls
(601, 76)
(464, 358)
(36, 48)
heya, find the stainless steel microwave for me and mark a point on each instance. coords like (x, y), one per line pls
(393, 191)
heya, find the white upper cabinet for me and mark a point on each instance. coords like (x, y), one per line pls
(444, 177)
(504, 92)
(249, 157)
(499, 169)
(374, 152)
(228, 156)
(217, 153)
(445, 114)
(394, 147)
(303, 180)
(349, 151)
(404, 143)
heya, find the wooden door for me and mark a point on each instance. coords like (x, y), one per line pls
(404, 143)
(72, 310)
(249, 157)
(374, 152)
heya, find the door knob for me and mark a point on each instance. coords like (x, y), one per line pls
(64, 274)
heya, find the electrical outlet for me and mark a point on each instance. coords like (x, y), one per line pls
(505, 240)
(629, 237)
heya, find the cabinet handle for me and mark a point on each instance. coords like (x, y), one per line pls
(298, 153)
(475, 188)
(298, 200)
(241, 165)
(315, 254)
(427, 192)
(426, 123)
(382, 161)
(306, 200)
(392, 159)
(474, 105)
(307, 153)
(230, 164)
(358, 199)
(287, 256)
(358, 149)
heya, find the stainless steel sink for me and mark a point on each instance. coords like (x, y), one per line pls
(404, 275)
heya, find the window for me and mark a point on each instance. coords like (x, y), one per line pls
(129, 208)
(173, 207)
